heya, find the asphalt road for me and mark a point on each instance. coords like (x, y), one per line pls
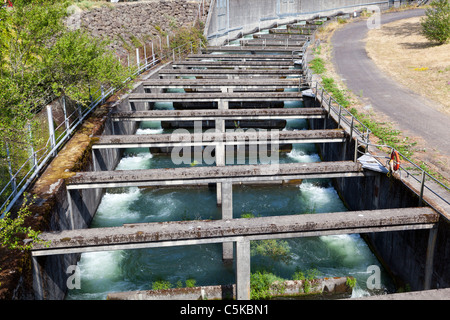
(412, 114)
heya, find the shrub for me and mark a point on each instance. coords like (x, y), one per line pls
(436, 23)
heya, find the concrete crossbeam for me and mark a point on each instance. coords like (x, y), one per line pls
(215, 96)
(279, 64)
(213, 114)
(245, 57)
(225, 114)
(147, 235)
(208, 174)
(291, 31)
(223, 83)
(227, 73)
(273, 42)
(211, 139)
(253, 50)
(281, 36)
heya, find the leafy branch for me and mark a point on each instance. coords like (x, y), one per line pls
(14, 234)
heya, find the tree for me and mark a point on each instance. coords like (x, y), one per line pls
(436, 23)
(42, 58)
(13, 232)
(79, 62)
(27, 30)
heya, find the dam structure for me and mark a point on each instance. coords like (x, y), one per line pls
(232, 130)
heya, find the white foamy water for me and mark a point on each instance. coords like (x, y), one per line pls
(137, 161)
(100, 265)
(117, 208)
(300, 155)
(319, 198)
(149, 131)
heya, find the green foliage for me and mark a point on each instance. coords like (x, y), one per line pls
(317, 65)
(41, 59)
(276, 250)
(386, 133)
(185, 36)
(338, 95)
(78, 62)
(14, 234)
(161, 285)
(190, 283)
(260, 284)
(436, 23)
(351, 282)
(27, 31)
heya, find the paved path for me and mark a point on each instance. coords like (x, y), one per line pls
(413, 114)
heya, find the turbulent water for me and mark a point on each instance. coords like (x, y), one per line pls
(127, 270)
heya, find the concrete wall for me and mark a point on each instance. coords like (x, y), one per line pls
(234, 18)
(403, 253)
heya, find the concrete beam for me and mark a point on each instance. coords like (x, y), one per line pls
(286, 43)
(227, 73)
(281, 36)
(212, 139)
(244, 57)
(252, 50)
(213, 114)
(279, 64)
(222, 83)
(161, 234)
(202, 175)
(214, 96)
(291, 31)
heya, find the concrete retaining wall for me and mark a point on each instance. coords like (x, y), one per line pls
(402, 253)
(327, 288)
(230, 19)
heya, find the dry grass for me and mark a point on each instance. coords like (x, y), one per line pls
(399, 49)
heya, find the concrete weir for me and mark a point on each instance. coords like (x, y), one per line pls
(380, 206)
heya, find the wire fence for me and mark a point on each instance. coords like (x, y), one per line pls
(19, 180)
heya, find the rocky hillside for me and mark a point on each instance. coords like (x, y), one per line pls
(135, 24)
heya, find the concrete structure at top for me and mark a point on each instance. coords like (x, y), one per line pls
(230, 18)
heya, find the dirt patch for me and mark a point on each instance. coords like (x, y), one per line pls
(401, 51)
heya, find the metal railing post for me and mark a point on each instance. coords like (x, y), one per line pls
(51, 130)
(339, 117)
(102, 90)
(137, 57)
(35, 162)
(422, 185)
(153, 52)
(351, 128)
(329, 108)
(145, 54)
(66, 120)
(11, 176)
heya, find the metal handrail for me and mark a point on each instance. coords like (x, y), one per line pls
(422, 173)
